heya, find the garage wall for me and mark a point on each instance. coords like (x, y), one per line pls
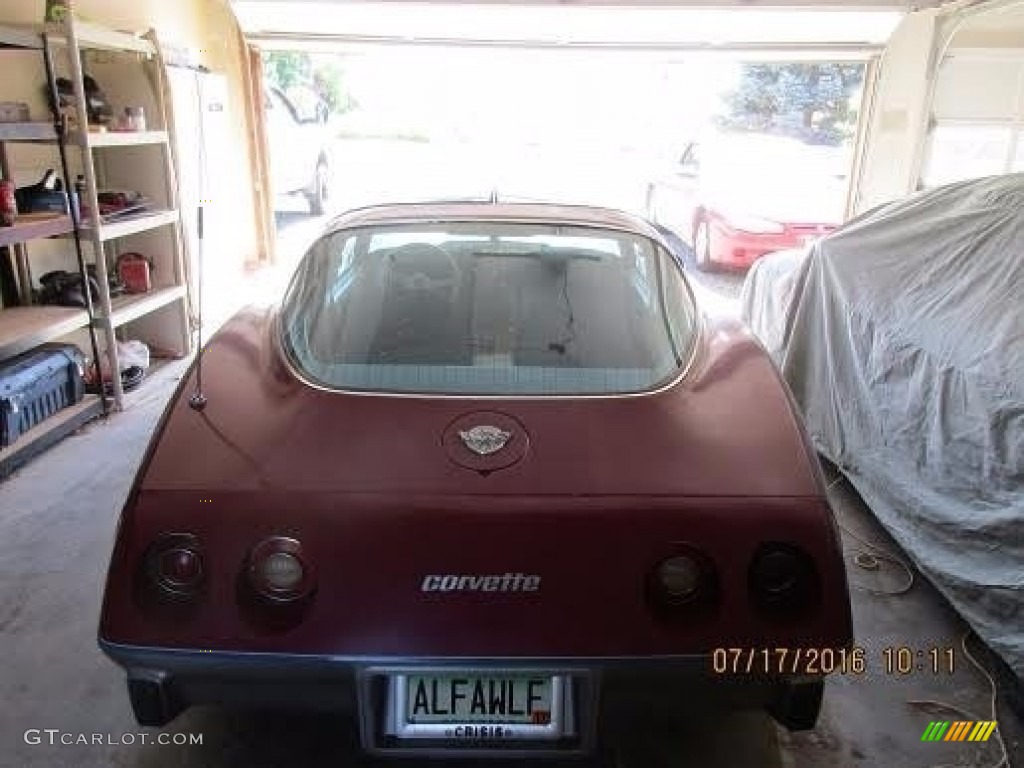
(206, 26)
(227, 52)
(898, 114)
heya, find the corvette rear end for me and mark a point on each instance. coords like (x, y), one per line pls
(536, 504)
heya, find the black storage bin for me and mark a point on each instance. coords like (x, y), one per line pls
(36, 385)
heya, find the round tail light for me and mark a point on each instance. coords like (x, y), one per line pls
(278, 572)
(174, 565)
(782, 577)
(680, 577)
(682, 583)
(180, 568)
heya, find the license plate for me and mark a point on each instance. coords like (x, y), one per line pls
(478, 706)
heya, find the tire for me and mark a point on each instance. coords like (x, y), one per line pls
(321, 189)
(702, 246)
(798, 705)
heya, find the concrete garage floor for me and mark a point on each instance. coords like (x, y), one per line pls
(57, 521)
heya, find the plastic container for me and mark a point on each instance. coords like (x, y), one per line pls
(36, 385)
(8, 204)
(134, 119)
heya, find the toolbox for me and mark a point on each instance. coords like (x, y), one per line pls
(133, 270)
(36, 385)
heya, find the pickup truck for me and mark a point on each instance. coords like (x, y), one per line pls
(300, 154)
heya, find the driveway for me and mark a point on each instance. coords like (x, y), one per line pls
(373, 171)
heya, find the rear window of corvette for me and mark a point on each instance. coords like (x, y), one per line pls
(479, 308)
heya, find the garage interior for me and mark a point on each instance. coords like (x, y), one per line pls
(943, 101)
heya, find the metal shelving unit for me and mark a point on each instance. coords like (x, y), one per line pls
(140, 160)
(103, 159)
(26, 326)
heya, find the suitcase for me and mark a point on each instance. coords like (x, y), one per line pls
(36, 385)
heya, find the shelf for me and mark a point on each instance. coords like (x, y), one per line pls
(45, 132)
(27, 132)
(18, 37)
(98, 37)
(90, 36)
(25, 230)
(133, 306)
(47, 433)
(22, 328)
(132, 225)
(126, 138)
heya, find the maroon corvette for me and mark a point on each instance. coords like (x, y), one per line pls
(487, 481)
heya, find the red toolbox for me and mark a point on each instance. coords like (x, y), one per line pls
(133, 269)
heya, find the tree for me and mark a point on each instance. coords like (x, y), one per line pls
(285, 69)
(288, 69)
(329, 82)
(818, 93)
(755, 101)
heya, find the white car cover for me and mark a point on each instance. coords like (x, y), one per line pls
(902, 338)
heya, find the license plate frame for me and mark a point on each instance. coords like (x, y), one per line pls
(560, 725)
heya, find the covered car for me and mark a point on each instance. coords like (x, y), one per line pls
(487, 480)
(902, 339)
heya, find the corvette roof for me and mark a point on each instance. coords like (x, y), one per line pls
(461, 211)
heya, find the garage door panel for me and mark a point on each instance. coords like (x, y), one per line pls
(978, 89)
(959, 152)
(977, 117)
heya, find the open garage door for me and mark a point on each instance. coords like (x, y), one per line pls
(644, 83)
(976, 131)
(852, 26)
(977, 112)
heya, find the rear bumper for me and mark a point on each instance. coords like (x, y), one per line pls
(739, 250)
(610, 695)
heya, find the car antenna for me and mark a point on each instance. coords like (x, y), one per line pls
(197, 401)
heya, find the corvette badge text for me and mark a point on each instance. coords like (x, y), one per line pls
(55, 737)
(506, 582)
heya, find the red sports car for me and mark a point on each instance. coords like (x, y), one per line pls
(738, 199)
(488, 481)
